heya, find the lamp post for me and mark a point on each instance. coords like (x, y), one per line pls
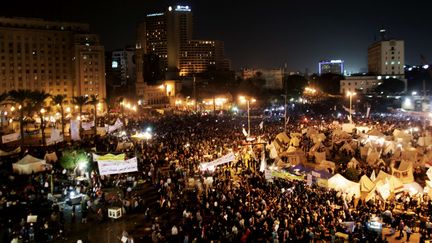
(350, 95)
(247, 100)
(285, 111)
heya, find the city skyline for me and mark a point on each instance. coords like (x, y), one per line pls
(299, 34)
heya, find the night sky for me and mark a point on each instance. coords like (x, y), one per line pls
(260, 33)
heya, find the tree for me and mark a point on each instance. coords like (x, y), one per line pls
(295, 84)
(329, 82)
(37, 99)
(390, 86)
(59, 100)
(94, 101)
(80, 101)
(109, 103)
(20, 97)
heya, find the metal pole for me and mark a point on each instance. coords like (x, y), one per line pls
(248, 117)
(194, 91)
(285, 115)
(350, 99)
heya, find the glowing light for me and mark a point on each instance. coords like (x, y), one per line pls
(12, 108)
(42, 111)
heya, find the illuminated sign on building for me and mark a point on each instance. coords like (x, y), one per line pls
(332, 66)
(155, 14)
(182, 8)
(114, 64)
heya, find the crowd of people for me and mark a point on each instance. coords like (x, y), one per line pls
(234, 203)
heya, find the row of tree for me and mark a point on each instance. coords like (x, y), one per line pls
(35, 102)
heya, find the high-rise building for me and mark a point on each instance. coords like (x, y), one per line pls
(164, 33)
(56, 57)
(168, 35)
(197, 56)
(332, 66)
(123, 65)
(387, 57)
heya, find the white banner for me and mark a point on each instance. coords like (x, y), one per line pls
(222, 160)
(11, 137)
(118, 124)
(367, 112)
(268, 175)
(55, 137)
(108, 167)
(88, 125)
(74, 127)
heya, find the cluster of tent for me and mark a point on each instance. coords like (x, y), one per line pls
(383, 186)
(372, 144)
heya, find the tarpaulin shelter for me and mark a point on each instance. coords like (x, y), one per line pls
(327, 165)
(295, 141)
(318, 138)
(340, 183)
(283, 138)
(352, 163)
(51, 157)
(404, 172)
(375, 133)
(395, 185)
(347, 148)
(319, 156)
(367, 188)
(29, 165)
(12, 152)
(424, 141)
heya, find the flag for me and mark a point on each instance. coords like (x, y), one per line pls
(261, 125)
(263, 164)
(348, 110)
(367, 112)
(244, 132)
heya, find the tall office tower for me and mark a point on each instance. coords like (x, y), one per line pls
(164, 33)
(197, 56)
(56, 57)
(387, 57)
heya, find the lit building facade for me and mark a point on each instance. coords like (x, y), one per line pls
(387, 58)
(198, 56)
(362, 84)
(332, 66)
(169, 36)
(123, 65)
(56, 57)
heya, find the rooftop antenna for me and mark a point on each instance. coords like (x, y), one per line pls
(383, 33)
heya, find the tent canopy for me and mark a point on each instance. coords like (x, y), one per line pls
(29, 165)
(366, 185)
(340, 183)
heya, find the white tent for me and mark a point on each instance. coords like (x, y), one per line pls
(29, 165)
(340, 183)
(413, 188)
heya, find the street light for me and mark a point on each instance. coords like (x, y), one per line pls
(350, 95)
(247, 100)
